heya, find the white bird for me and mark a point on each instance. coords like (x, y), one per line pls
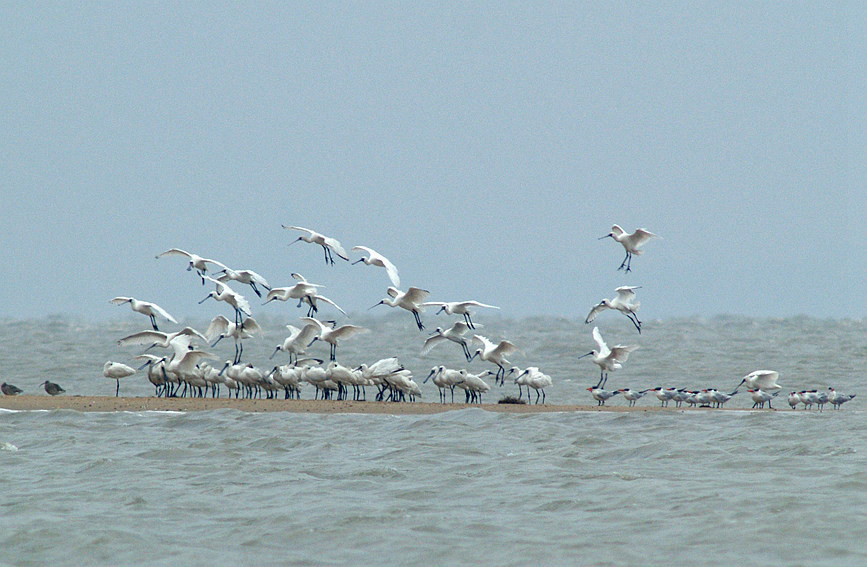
(536, 379)
(631, 242)
(332, 336)
(159, 338)
(445, 378)
(329, 245)
(455, 334)
(411, 300)
(760, 397)
(230, 296)
(765, 380)
(459, 307)
(664, 395)
(808, 398)
(473, 385)
(116, 371)
(248, 277)
(601, 396)
(608, 359)
(304, 292)
(495, 353)
(794, 399)
(196, 262)
(145, 308)
(374, 258)
(632, 396)
(838, 399)
(220, 328)
(624, 302)
(297, 341)
(721, 398)
(155, 372)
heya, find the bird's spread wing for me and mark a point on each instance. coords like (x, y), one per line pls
(301, 228)
(505, 348)
(163, 313)
(348, 330)
(640, 236)
(219, 326)
(597, 309)
(626, 293)
(363, 249)
(597, 336)
(432, 342)
(251, 326)
(391, 270)
(306, 334)
(621, 352)
(143, 338)
(460, 328)
(328, 301)
(120, 300)
(335, 245)
(175, 252)
(416, 295)
(475, 303)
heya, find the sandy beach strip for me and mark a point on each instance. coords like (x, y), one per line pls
(134, 404)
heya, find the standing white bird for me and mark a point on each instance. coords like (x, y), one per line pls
(601, 396)
(459, 307)
(116, 371)
(145, 308)
(495, 353)
(760, 397)
(374, 258)
(608, 359)
(329, 245)
(837, 399)
(536, 379)
(624, 302)
(332, 336)
(794, 399)
(411, 300)
(455, 334)
(632, 396)
(248, 277)
(196, 262)
(230, 296)
(631, 242)
(765, 380)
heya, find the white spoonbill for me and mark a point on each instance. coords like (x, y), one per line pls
(374, 258)
(196, 262)
(329, 245)
(411, 300)
(459, 307)
(624, 302)
(332, 336)
(230, 296)
(536, 379)
(145, 308)
(495, 353)
(159, 338)
(608, 359)
(220, 328)
(765, 380)
(297, 341)
(455, 334)
(116, 371)
(247, 277)
(631, 242)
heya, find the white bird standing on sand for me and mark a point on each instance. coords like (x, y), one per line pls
(329, 245)
(248, 277)
(536, 379)
(760, 397)
(601, 396)
(459, 307)
(495, 353)
(608, 359)
(116, 371)
(332, 336)
(220, 328)
(455, 334)
(631, 242)
(632, 396)
(836, 399)
(196, 262)
(761, 380)
(374, 258)
(664, 395)
(145, 308)
(230, 296)
(411, 300)
(794, 399)
(624, 302)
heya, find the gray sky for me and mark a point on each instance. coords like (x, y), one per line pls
(483, 148)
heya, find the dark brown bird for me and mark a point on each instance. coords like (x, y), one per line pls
(52, 388)
(9, 389)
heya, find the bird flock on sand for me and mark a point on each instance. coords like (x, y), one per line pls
(180, 363)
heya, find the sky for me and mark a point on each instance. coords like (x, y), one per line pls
(483, 147)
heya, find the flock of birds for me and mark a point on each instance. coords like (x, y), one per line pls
(185, 367)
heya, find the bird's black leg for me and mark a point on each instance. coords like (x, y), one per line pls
(469, 321)
(635, 321)
(154, 323)
(418, 320)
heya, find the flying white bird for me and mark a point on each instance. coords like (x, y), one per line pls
(145, 308)
(765, 380)
(332, 336)
(329, 245)
(411, 300)
(230, 296)
(455, 334)
(624, 302)
(631, 242)
(608, 359)
(459, 307)
(304, 292)
(116, 371)
(374, 258)
(297, 341)
(495, 353)
(158, 338)
(220, 328)
(248, 277)
(196, 262)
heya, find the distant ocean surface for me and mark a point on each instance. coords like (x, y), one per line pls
(463, 487)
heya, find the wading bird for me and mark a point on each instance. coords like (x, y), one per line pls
(494, 353)
(330, 246)
(632, 243)
(374, 258)
(411, 300)
(10, 390)
(116, 371)
(608, 359)
(231, 297)
(455, 334)
(196, 262)
(460, 308)
(765, 380)
(624, 302)
(145, 308)
(52, 389)
(331, 335)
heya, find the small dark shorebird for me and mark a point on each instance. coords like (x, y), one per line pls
(9, 389)
(52, 388)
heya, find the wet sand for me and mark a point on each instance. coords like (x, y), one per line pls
(110, 403)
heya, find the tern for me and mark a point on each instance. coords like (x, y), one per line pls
(760, 397)
(624, 302)
(601, 396)
(631, 242)
(330, 246)
(145, 308)
(836, 399)
(608, 359)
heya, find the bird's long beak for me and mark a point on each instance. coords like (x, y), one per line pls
(143, 365)
(609, 235)
(369, 308)
(204, 300)
(583, 355)
(273, 354)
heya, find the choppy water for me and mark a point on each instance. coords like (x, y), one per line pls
(464, 487)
